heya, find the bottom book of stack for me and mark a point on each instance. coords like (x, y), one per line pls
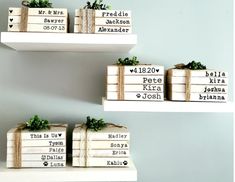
(29, 149)
(106, 148)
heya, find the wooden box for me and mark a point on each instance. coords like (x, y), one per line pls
(102, 21)
(106, 148)
(37, 149)
(197, 85)
(141, 82)
(38, 20)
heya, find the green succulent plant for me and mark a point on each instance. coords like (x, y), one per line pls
(97, 5)
(37, 3)
(191, 65)
(35, 123)
(128, 61)
(94, 124)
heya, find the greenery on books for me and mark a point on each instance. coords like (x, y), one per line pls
(128, 61)
(94, 124)
(35, 124)
(191, 65)
(97, 5)
(37, 3)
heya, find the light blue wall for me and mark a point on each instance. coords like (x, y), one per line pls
(66, 87)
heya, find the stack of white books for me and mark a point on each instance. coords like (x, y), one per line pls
(102, 21)
(108, 147)
(141, 82)
(203, 85)
(38, 20)
(37, 149)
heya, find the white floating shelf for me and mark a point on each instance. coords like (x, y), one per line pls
(68, 174)
(167, 106)
(24, 41)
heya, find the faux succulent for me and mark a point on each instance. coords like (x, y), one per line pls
(94, 124)
(191, 65)
(35, 123)
(128, 61)
(97, 5)
(37, 3)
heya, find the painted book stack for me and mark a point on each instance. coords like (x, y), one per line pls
(102, 21)
(38, 20)
(106, 148)
(141, 82)
(197, 85)
(37, 149)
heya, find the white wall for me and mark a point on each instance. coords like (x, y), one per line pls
(66, 87)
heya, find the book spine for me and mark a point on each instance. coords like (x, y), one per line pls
(102, 136)
(39, 20)
(39, 143)
(101, 162)
(137, 80)
(198, 80)
(137, 88)
(179, 88)
(148, 96)
(39, 150)
(108, 13)
(39, 164)
(198, 73)
(137, 70)
(125, 22)
(202, 97)
(39, 28)
(39, 157)
(101, 153)
(55, 12)
(39, 136)
(113, 30)
(106, 29)
(101, 145)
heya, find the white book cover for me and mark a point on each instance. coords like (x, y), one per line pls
(39, 143)
(39, 20)
(106, 29)
(180, 88)
(54, 133)
(101, 153)
(39, 150)
(39, 28)
(89, 145)
(198, 80)
(137, 79)
(39, 12)
(111, 132)
(126, 22)
(113, 29)
(39, 164)
(137, 70)
(198, 73)
(202, 97)
(101, 162)
(108, 13)
(137, 88)
(143, 96)
(38, 157)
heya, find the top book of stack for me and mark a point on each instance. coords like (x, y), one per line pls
(38, 20)
(102, 21)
